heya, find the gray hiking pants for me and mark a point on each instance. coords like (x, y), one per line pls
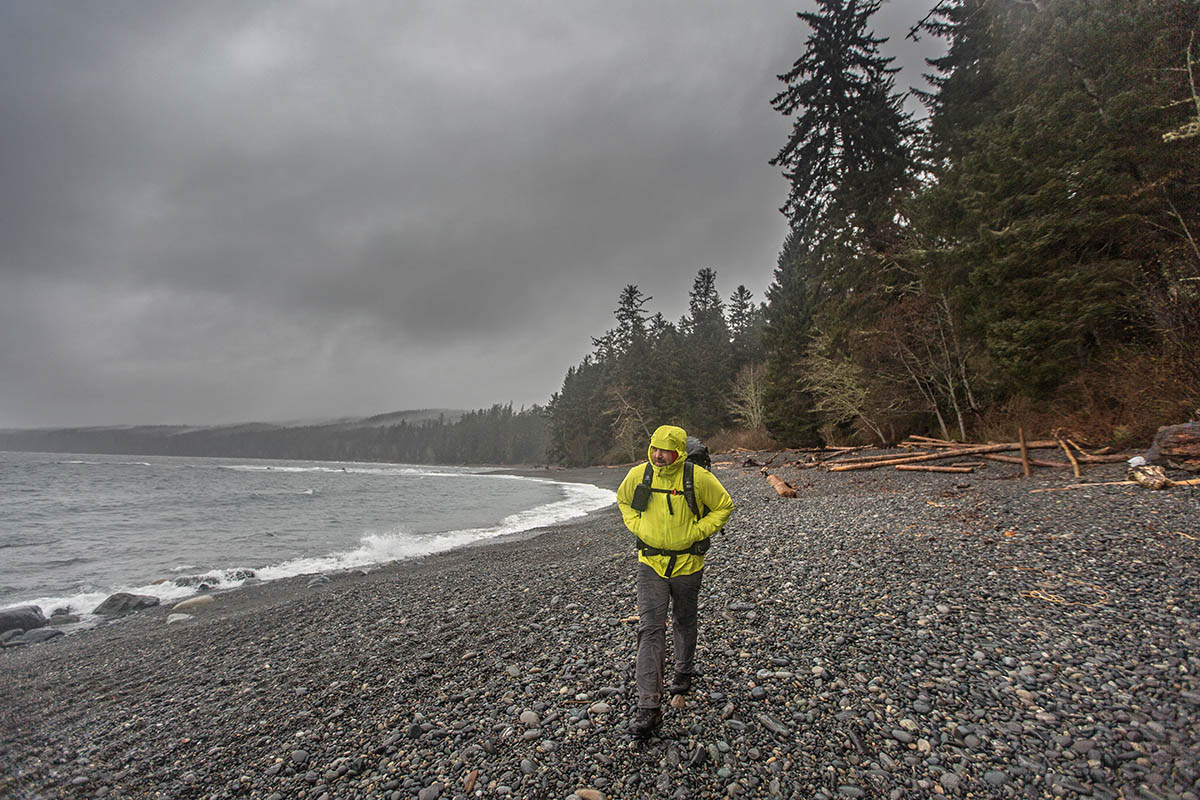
(654, 594)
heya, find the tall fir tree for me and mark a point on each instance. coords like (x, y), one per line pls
(849, 148)
(709, 356)
(746, 322)
(789, 413)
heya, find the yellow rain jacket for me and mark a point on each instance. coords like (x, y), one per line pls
(668, 523)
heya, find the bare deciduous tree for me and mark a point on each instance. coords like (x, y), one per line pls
(629, 429)
(838, 385)
(747, 399)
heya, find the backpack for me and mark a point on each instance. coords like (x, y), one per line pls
(697, 452)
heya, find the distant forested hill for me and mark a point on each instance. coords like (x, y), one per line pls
(497, 435)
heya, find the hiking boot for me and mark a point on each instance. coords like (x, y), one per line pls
(645, 721)
(682, 682)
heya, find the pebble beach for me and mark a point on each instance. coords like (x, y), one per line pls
(882, 635)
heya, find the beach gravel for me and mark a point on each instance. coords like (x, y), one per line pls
(883, 635)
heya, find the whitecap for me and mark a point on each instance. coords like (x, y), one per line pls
(400, 545)
(373, 549)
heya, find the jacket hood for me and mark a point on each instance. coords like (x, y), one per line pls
(669, 437)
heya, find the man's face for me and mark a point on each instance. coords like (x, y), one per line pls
(661, 458)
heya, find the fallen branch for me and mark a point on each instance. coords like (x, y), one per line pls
(929, 441)
(1083, 486)
(877, 457)
(1109, 458)
(932, 468)
(1071, 458)
(844, 451)
(1075, 444)
(1190, 482)
(1033, 462)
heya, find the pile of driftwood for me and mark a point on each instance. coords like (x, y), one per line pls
(921, 451)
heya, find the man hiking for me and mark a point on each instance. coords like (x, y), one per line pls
(672, 506)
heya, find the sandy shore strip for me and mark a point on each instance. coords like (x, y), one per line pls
(884, 635)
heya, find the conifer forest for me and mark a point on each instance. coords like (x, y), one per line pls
(1026, 253)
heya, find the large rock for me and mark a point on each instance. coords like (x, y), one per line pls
(21, 618)
(124, 602)
(212, 580)
(1178, 446)
(40, 635)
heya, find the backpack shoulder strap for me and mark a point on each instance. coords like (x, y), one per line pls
(648, 475)
(689, 488)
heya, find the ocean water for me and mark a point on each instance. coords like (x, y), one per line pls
(75, 529)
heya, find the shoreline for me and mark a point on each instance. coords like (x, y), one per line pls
(884, 633)
(597, 476)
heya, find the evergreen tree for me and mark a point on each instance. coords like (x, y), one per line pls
(666, 372)
(746, 322)
(1055, 203)
(849, 146)
(631, 320)
(709, 356)
(789, 407)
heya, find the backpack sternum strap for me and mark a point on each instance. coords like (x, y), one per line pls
(689, 487)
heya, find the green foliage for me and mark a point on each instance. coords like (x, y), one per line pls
(648, 372)
(848, 148)
(747, 324)
(1053, 224)
(789, 411)
(837, 384)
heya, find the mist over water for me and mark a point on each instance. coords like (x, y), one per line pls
(75, 529)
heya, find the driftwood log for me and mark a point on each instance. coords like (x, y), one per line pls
(1033, 462)
(1190, 482)
(932, 468)
(782, 487)
(1178, 446)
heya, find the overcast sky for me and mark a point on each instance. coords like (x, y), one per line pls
(234, 211)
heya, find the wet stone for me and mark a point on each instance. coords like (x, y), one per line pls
(995, 777)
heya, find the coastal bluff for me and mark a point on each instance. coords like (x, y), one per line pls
(881, 635)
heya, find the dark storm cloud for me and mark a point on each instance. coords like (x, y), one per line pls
(226, 211)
